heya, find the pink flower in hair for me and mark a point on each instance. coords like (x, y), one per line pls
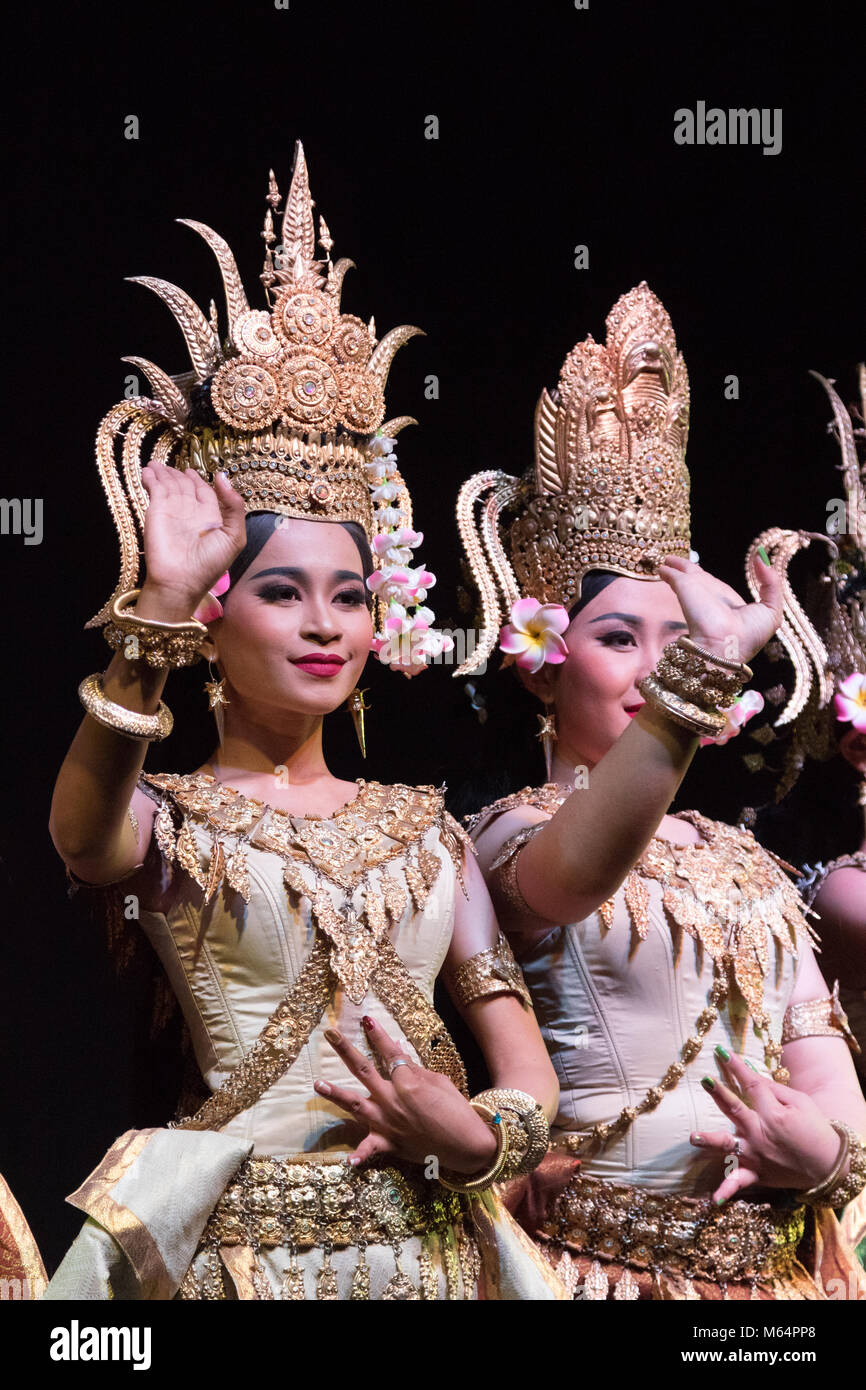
(850, 701)
(210, 607)
(534, 634)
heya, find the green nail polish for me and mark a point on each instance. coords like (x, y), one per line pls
(763, 554)
(722, 1052)
(752, 1065)
(708, 1083)
(719, 1201)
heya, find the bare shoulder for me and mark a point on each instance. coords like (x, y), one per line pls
(841, 899)
(492, 834)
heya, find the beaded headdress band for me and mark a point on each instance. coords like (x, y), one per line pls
(289, 403)
(825, 637)
(609, 488)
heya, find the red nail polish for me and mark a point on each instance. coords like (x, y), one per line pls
(368, 1023)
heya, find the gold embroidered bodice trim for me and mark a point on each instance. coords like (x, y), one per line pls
(725, 893)
(382, 825)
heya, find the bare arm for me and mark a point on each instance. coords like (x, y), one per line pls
(192, 532)
(586, 849)
(822, 1066)
(841, 905)
(583, 853)
(505, 1030)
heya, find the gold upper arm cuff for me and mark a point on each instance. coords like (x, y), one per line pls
(818, 1018)
(494, 971)
(504, 866)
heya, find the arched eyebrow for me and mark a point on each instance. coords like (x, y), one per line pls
(632, 620)
(302, 576)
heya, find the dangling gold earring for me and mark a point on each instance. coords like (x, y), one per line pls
(547, 734)
(216, 692)
(357, 705)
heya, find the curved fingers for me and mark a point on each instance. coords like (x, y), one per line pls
(353, 1102)
(360, 1066)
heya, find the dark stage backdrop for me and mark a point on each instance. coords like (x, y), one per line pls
(555, 130)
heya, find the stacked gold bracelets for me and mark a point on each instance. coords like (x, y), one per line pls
(834, 1191)
(128, 722)
(691, 686)
(522, 1135)
(160, 644)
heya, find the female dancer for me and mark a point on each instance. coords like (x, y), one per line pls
(662, 952)
(302, 920)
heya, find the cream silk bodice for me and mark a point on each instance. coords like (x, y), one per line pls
(232, 960)
(619, 994)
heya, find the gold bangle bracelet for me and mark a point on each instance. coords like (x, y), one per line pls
(742, 670)
(455, 1182)
(130, 723)
(161, 644)
(701, 723)
(527, 1125)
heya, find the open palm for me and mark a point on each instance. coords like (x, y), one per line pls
(718, 617)
(192, 530)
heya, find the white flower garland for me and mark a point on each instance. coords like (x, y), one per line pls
(407, 641)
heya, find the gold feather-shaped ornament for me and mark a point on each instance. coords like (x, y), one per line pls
(216, 869)
(237, 873)
(294, 879)
(163, 828)
(417, 886)
(637, 902)
(429, 864)
(605, 912)
(394, 895)
(186, 852)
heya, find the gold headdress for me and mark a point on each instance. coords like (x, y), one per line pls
(609, 488)
(290, 402)
(825, 638)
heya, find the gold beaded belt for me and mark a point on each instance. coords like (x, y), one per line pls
(301, 1203)
(688, 1235)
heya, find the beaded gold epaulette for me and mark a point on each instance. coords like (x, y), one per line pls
(381, 826)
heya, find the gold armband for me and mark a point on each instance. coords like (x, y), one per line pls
(505, 867)
(526, 1125)
(818, 1018)
(494, 971)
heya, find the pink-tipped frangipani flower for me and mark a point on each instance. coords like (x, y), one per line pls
(850, 701)
(210, 607)
(534, 634)
(750, 703)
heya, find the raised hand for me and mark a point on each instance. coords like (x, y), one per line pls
(782, 1139)
(192, 533)
(415, 1114)
(718, 618)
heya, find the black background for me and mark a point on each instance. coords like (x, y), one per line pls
(556, 129)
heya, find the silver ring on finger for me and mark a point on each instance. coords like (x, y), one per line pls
(397, 1062)
(736, 1149)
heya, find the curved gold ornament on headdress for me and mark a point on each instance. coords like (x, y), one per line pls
(287, 403)
(609, 488)
(828, 643)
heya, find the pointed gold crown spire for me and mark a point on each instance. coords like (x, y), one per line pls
(287, 403)
(825, 636)
(609, 489)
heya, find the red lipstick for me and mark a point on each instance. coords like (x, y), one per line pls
(320, 663)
